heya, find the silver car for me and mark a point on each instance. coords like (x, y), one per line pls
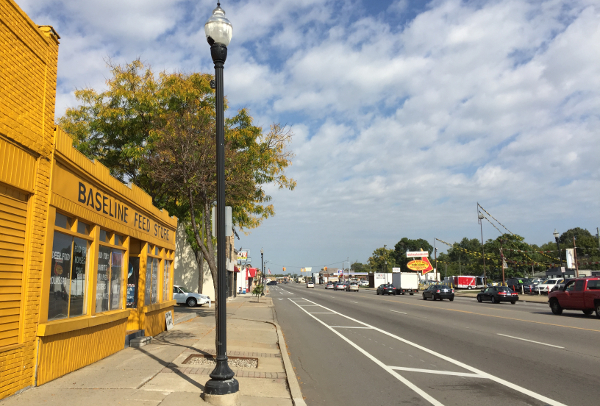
(184, 296)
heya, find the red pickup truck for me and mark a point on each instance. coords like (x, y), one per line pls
(578, 294)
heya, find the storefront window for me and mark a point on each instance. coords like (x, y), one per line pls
(151, 295)
(102, 284)
(78, 277)
(132, 282)
(116, 270)
(109, 280)
(166, 280)
(68, 276)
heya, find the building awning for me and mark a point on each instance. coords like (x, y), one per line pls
(252, 272)
(236, 269)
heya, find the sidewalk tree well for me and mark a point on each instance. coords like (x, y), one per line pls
(158, 131)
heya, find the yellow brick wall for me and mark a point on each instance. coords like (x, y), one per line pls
(28, 63)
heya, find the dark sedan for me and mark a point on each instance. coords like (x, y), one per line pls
(386, 289)
(440, 292)
(497, 294)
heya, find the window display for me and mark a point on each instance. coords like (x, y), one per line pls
(166, 280)
(68, 277)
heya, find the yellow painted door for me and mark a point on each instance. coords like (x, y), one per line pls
(13, 214)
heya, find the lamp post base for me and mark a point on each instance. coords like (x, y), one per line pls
(221, 387)
(230, 399)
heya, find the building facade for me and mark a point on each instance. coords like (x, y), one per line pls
(83, 258)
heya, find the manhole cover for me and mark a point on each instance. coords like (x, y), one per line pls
(210, 360)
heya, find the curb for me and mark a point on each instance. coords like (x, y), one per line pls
(293, 384)
(185, 318)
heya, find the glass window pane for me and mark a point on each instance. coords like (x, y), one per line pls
(132, 282)
(78, 278)
(103, 278)
(63, 221)
(149, 248)
(148, 289)
(83, 228)
(116, 272)
(58, 301)
(166, 281)
(103, 236)
(155, 250)
(154, 280)
(118, 239)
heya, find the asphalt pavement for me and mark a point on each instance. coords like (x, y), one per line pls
(359, 348)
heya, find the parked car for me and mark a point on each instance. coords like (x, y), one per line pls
(364, 283)
(352, 286)
(183, 296)
(310, 284)
(270, 283)
(497, 294)
(578, 294)
(438, 292)
(548, 284)
(330, 285)
(515, 283)
(386, 289)
(560, 285)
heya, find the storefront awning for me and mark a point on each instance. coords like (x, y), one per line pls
(236, 269)
(252, 272)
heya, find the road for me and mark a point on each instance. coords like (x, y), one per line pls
(357, 348)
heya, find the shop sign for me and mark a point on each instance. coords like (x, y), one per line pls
(417, 265)
(417, 254)
(74, 189)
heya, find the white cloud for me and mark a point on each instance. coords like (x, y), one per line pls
(401, 125)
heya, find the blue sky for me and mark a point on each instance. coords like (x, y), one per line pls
(405, 113)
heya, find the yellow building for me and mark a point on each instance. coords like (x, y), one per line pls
(83, 258)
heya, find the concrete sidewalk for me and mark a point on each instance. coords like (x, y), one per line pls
(160, 373)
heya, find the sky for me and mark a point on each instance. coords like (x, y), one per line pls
(405, 114)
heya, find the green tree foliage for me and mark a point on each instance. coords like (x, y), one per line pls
(382, 260)
(359, 267)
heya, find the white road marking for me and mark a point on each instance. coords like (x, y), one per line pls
(354, 302)
(310, 305)
(396, 311)
(433, 371)
(531, 341)
(381, 364)
(496, 379)
(319, 312)
(368, 328)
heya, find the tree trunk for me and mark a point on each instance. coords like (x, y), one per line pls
(200, 262)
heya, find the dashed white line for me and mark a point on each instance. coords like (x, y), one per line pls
(531, 341)
(436, 372)
(396, 311)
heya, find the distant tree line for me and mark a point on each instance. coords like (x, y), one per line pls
(466, 257)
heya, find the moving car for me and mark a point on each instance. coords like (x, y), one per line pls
(310, 284)
(352, 286)
(497, 294)
(183, 296)
(578, 294)
(272, 283)
(340, 286)
(330, 285)
(386, 289)
(438, 292)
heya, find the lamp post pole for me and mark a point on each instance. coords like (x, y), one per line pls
(262, 267)
(480, 218)
(218, 32)
(556, 234)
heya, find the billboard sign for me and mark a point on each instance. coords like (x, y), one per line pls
(417, 254)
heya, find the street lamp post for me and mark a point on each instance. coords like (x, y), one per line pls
(556, 234)
(480, 218)
(262, 267)
(218, 32)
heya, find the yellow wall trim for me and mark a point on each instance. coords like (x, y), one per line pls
(17, 167)
(65, 326)
(158, 306)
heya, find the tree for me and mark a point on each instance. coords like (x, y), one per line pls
(358, 267)
(382, 260)
(159, 133)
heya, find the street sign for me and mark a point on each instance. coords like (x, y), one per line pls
(395, 270)
(417, 254)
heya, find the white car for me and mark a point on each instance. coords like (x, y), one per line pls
(184, 296)
(364, 283)
(310, 285)
(547, 285)
(352, 287)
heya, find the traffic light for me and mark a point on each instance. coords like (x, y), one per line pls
(284, 269)
(325, 269)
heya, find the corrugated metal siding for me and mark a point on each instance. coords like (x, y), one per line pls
(67, 352)
(13, 217)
